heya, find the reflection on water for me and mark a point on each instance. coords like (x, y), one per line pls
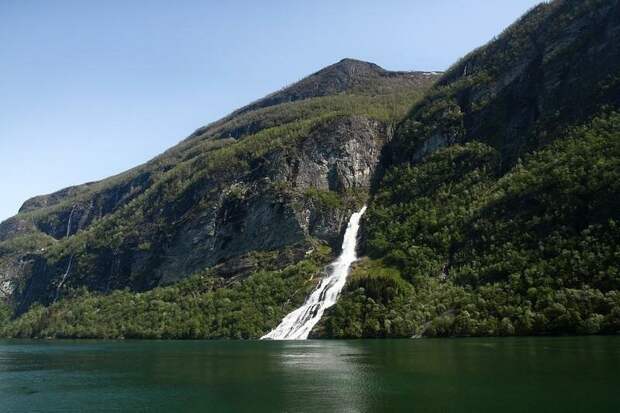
(481, 375)
(339, 362)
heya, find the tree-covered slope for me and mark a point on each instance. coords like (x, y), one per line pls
(494, 205)
(475, 252)
(203, 306)
(273, 176)
(498, 211)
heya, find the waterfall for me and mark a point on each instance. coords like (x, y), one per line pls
(298, 324)
(70, 217)
(64, 278)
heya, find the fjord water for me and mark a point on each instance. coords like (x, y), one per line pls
(565, 374)
(298, 324)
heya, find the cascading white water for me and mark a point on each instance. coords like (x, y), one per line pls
(298, 324)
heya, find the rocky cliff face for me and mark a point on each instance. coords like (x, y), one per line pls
(277, 175)
(283, 201)
(556, 66)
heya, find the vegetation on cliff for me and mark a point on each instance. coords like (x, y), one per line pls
(534, 251)
(495, 209)
(227, 190)
(498, 211)
(202, 306)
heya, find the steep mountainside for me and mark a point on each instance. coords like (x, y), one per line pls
(493, 205)
(504, 184)
(555, 67)
(278, 175)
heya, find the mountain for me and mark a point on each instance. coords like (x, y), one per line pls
(493, 197)
(260, 189)
(499, 207)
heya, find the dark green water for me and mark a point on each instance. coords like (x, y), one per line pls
(461, 375)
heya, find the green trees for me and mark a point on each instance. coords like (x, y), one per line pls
(5, 315)
(456, 247)
(430, 202)
(536, 251)
(203, 306)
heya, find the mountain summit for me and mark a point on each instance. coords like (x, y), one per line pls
(348, 75)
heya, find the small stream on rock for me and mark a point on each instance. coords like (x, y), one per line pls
(298, 324)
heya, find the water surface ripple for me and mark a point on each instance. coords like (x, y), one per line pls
(565, 374)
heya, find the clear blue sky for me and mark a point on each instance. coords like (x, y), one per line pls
(90, 88)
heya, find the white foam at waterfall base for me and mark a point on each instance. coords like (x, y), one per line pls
(298, 324)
